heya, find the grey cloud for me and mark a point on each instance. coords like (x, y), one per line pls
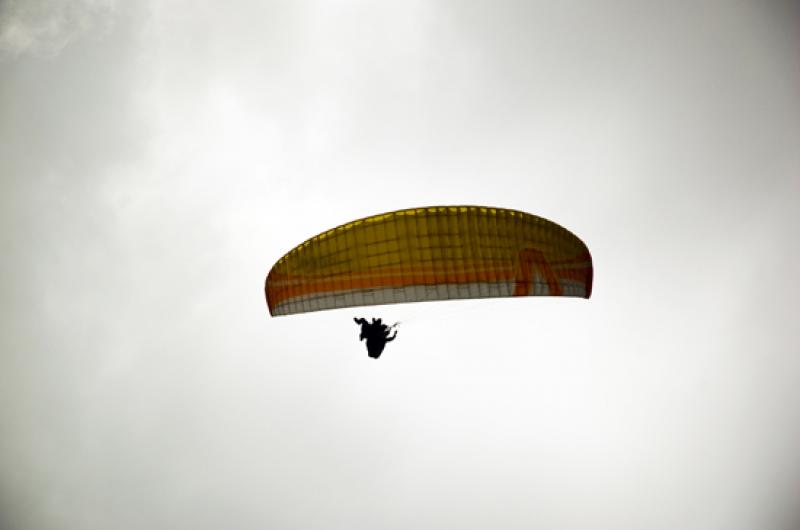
(45, 27)
(156, 158)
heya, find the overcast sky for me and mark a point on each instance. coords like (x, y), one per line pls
(156, 158)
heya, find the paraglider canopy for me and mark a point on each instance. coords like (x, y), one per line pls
(430, 253)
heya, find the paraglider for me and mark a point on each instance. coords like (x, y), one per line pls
(377, 335)
(426, 254)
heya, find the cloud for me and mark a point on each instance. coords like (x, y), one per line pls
(158, 157)
(45, 28)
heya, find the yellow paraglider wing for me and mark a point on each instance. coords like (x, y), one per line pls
(432, 253)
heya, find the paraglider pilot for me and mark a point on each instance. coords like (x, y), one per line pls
(377, 335)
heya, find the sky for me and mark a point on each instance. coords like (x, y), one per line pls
(157, 158)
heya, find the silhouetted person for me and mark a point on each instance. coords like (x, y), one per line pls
(377, 335)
